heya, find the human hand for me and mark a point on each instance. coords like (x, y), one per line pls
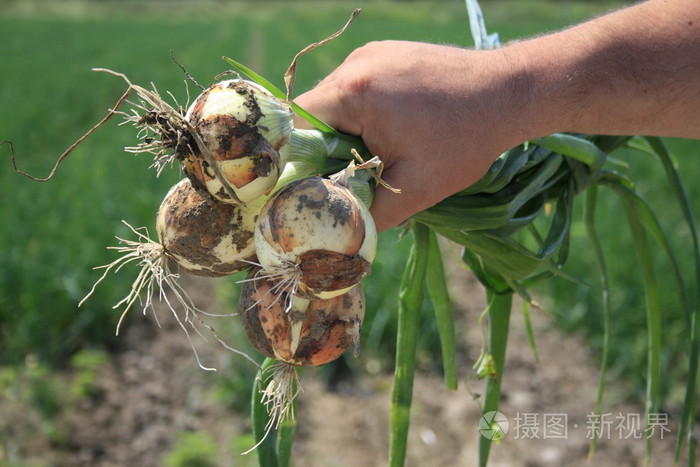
(438, 116)
(431, 113)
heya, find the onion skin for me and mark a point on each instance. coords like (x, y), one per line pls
(322, 230)
(243, 128)
(205, 237)
(301, 332)
(248, 103)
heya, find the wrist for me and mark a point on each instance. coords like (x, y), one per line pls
(553, 95)
(511, 96)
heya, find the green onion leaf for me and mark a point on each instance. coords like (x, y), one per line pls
(589, 215)
(573, 146)
(275, 91)
(442, 306)
(410, 302)
(641, 219)
(267, 449)
(499, 308)
(658, 148)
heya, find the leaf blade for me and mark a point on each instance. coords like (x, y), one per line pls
(410, 301)
(439, 296)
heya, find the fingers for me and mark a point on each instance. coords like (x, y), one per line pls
(384, 209)
(417, 193)
(384, 109)
(331, 102)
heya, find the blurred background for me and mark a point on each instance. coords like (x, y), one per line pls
(60, 363)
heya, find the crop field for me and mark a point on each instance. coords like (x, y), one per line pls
(52, 234)
(55, 232)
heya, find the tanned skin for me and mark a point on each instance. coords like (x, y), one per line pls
(438, 116)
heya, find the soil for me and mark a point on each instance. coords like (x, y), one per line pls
(152, 390)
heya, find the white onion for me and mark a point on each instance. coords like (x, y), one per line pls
(205, 237)
(296, 330)
(316, 237)
(243, 128)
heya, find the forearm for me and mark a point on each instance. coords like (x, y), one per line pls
(636, 71)
(439, 116)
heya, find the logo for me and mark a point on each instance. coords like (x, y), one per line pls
(493, 425)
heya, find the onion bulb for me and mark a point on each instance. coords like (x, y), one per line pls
(196, 234)
(315, 238)
(205, 237)
(299, 331)
(243, 128)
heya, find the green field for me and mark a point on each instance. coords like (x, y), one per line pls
(57, 231)
(53, 234)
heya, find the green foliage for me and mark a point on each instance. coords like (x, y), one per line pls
(57, 231)
(192, 450)
(54, 233)
(580, 309)
(86, 364)
(36, 398)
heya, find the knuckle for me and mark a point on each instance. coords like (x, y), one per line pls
(360, 72)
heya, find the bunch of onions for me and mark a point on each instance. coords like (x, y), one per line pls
(254, 196)
(234, 142)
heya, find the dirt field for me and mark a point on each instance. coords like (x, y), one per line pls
(152, 390)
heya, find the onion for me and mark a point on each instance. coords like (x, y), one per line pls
(299, 331)
(296, 332)
(205, 237)
(243, 128)
(315, 238)
(196, 234)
